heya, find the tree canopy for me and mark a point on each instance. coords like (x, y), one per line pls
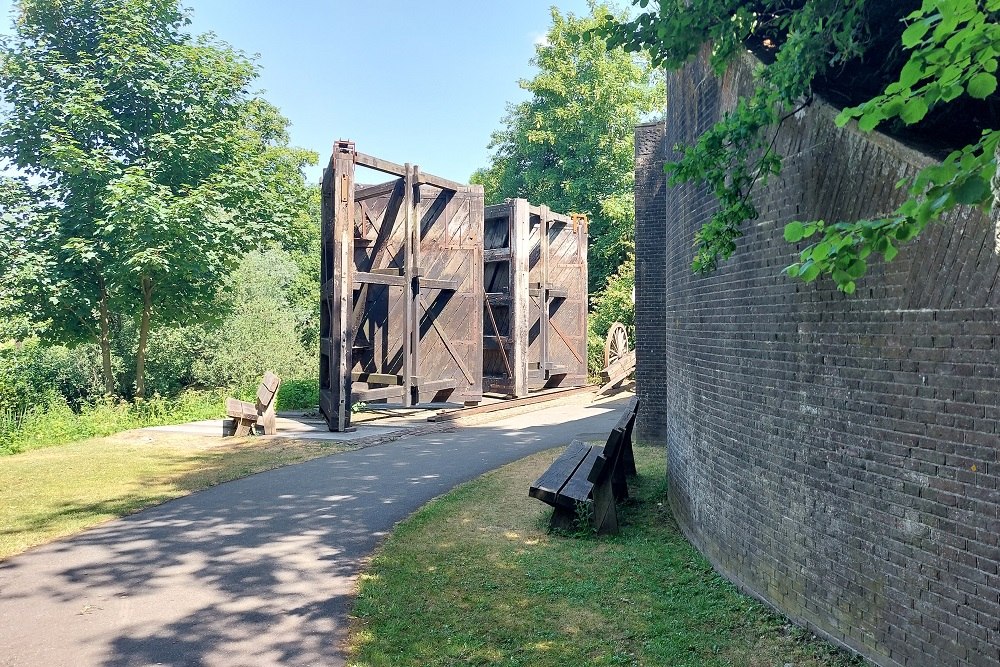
(906, 67)
(148, 167)
(570, 145)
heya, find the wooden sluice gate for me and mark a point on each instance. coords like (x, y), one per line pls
(406, 315)
(535, 311)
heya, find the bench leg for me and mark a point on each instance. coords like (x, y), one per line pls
(605, 520)
(243, 427)
(267, 420)
(563, 519)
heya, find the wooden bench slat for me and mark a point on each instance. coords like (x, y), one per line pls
(546, 488)
(579, 489)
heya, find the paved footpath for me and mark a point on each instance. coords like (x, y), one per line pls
(259, 571)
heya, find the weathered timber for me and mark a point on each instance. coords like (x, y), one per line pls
(535, 311)
(414, 268)
(589, 479)
(245, 417)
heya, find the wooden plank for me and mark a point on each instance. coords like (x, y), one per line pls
(548, 487)
(434, 283)
(376, 378)
(496, 385)
(565, 340)
(378, 394)
(557, 293)
(509, 405)
(372, 191)
(366, 277)
(436, 385)
(411, 321)
(578, 488)
(448, 344)
(519, 315)
(377, 164)
(499, 339)
(496, 255)
(438, 182)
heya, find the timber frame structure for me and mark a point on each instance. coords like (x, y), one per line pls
(535, 309)
(401, 287)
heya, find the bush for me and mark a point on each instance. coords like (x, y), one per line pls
(55, 423)
(298, 395)
(31, 374)
(615, 303)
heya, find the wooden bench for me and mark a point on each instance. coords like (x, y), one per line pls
(591, 477)
(247, 417)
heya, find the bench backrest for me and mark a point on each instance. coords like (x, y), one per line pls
(620, 435)
(267, 391)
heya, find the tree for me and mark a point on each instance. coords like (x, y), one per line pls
(907, 67)
(158, 168)
(570, 145)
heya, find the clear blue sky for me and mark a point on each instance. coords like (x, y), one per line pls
(421, 82)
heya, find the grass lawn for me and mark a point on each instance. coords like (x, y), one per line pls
(49, 493)
(475, 579)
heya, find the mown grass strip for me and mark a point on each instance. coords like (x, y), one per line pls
(57, 491)
(474, 578)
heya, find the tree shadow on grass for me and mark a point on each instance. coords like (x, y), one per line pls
(257, 571)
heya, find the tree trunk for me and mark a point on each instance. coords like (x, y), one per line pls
(140, 357)
(105, 340)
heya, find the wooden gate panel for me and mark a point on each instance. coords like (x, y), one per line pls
(535, 311)
(402, 272)
(451, 293)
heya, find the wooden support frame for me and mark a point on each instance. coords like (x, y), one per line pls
(401, 289)
(535, 310)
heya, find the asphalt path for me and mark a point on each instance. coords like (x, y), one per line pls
(259, 571)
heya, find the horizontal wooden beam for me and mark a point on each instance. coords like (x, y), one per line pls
(438, 182)
(376, 378)
(557, 293)
(384, 166)
(497, 255)
(388, 271)
(376, 190)
(437, 385)
(501, 298)
(379, 279)
(433, 283)
(361, 395)
(620, 369)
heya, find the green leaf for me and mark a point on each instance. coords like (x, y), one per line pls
(972, 191)
(857, 268)
(794, 232)
(890, 252)
(914, 111)
(810, 273)
(915, 33)
(911, 73)
(849, 288)
(982, 85)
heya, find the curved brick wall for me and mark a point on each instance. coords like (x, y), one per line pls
(836, 456)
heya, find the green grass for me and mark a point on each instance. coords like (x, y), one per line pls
(50, 493)
(474, 578)
(54, 423)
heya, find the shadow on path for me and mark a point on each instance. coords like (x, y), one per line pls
(260, 571)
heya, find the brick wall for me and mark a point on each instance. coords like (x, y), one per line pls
(651, 272)
(836, 456)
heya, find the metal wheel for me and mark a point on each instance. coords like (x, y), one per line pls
(616, 345)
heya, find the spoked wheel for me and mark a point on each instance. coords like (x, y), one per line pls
(616, 345)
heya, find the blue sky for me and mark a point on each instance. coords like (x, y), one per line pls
(421, 82)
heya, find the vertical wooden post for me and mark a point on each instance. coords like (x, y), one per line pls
(543, 323)
(519, 310)
(411, 294)
(343, 278)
